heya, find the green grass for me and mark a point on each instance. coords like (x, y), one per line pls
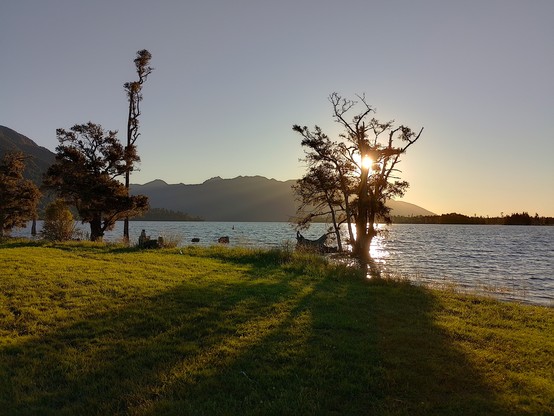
(92, 329)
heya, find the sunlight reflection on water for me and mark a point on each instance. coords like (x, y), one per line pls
(378, 249)
(509, 262)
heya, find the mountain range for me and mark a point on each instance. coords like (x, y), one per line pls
(244, 198)
(39, 158)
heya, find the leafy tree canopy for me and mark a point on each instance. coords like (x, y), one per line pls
(89, 162)
(18, 196)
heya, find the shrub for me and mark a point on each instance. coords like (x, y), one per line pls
(59, 224)
(170, 240)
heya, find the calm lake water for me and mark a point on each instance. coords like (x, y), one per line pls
(510, 262)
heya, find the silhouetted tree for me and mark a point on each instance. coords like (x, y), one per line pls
(88, 163)
(329, 180)
(519, 219)
(134, 96)
(364, 160)
(19, 197)
(163, 214)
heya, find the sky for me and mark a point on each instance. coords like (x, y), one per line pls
(232, 77)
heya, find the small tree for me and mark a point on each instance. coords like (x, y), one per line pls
(89, 162)
(134, 96)
(319, 194)
(329, 181)
(364, 164)
(19, 197)
(59, 224)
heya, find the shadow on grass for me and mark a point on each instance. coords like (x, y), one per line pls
(12, 242)
(80, 246)
(291, 345)
(421, 372)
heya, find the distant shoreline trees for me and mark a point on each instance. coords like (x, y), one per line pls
(162, 214)
(454, 218)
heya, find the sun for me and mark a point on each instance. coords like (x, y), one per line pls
(366, 162)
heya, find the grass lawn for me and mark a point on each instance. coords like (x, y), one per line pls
(92, 329)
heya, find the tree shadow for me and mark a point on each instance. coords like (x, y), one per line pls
(98, 365)
(295, 344)
(16, 242)
(421, 371)
(80, 246)
(367, 348)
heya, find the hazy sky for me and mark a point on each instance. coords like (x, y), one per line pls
(232, 77)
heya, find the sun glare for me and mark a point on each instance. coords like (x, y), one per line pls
(366, 162)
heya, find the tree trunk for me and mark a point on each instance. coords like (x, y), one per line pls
(364, 239)
(128, 162)
(337, 229)
(96, 232)
(126, 230)
(361, 246)
(126, 220)
(346, 195)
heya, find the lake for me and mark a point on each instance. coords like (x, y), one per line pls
(510, 262)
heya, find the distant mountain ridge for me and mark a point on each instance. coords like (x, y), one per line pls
(244, 198)
(40, 158)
